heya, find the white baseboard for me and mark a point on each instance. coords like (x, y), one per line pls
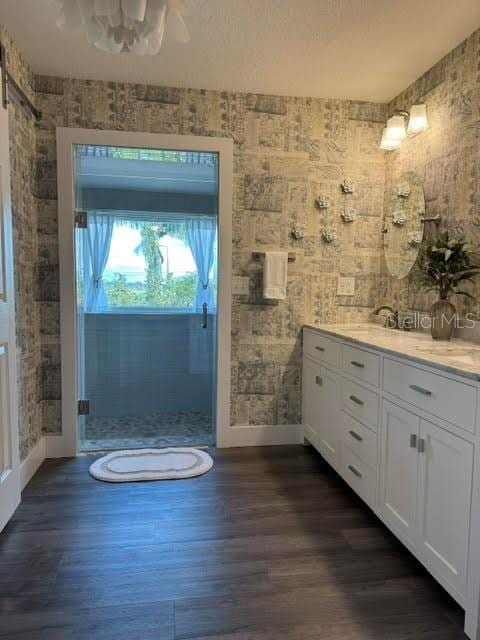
(60, 446)
(30, 465)
(260, 435)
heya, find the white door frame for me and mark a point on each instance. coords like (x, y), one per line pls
(67, 443)
(9, 453)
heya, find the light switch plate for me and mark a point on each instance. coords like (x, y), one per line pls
(241, 286)
(345, 286)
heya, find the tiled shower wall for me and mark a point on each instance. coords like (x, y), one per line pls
(287, 152)
(447, 157)
(143, 364)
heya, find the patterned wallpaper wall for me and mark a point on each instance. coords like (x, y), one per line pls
(27, 252)
(447, 157)
(287, 152)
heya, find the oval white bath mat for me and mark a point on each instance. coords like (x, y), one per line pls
(151, 464)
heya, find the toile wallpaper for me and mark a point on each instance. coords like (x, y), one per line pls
(27, 241)
(288, 152)
(446, 157)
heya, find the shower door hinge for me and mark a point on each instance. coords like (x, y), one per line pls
(84, 407)
(81, 220)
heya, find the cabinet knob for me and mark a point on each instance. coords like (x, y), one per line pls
(318, 380)
(356, 400)
(421, 445)
(320, 348)
(413, 440)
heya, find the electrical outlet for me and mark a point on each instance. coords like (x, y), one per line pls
(345, 286)
(241, 286)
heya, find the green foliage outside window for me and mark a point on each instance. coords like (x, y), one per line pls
(171, 292)
(158, 290)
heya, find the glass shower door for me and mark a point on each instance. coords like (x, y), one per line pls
(146, 260)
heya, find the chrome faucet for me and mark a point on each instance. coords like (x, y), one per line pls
(391, 319)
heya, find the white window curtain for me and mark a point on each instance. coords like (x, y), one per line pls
(98, 238)
(201, 234)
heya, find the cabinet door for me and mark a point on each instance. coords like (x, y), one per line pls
(443, 504)
(311, 381)
(329, 423)
(399, 470)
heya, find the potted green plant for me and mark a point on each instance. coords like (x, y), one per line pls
(443, 264)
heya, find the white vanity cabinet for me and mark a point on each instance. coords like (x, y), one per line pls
(425, 492)
(321, 409)
(404, 436)
(340, 413)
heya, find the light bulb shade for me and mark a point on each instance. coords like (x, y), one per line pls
(396, 129)
(131, 26)
(387, 144)
(418, 119)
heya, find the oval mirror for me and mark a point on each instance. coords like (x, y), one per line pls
(404, 222)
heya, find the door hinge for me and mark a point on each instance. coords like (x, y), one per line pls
(81, 219)
(84, 407)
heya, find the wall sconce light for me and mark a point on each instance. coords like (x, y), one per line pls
(387, 144)
(397, 126)
(402, 124)
(418, 121)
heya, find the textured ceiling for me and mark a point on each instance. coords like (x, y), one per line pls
(358, 49)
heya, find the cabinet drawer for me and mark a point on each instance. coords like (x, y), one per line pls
(448, 399)
(321, 348)
(358, 475)
(361, 364)
(360, 402)
(360, 439)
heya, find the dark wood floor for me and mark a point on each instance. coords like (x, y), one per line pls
(269, 545)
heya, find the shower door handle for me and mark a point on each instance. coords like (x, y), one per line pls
(205, 316)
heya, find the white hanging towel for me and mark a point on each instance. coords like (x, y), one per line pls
(275, 275)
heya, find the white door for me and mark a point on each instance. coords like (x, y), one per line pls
(443, 503)
(329, 427)
(399, 470)
(9, 462)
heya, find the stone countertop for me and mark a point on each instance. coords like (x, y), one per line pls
(456, 356)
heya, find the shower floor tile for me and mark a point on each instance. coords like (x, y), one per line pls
(166, 429)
